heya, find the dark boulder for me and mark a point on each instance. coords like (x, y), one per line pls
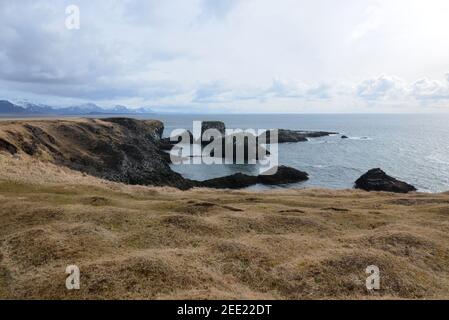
(344, 137)
(284, 175)
(378, 180)
(235, 181)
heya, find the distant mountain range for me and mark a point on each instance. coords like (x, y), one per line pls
(28, 108)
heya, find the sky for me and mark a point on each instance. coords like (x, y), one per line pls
(222, 56)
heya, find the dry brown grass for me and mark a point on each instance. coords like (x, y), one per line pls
(159, 243)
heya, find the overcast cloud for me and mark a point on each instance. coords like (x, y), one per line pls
(230, 55)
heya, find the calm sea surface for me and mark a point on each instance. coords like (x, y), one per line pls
(413, 148)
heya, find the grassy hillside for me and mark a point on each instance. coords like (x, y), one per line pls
(156, 243)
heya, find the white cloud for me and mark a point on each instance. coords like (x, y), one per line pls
(220, 92)
(395, 88)
(295, 89)
(226, 53)
(381, 87)
(426, 89)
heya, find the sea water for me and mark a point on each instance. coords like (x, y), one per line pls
(414, 148)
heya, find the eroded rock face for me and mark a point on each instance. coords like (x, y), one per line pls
(378, 180)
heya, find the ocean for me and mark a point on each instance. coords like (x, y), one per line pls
(411, 147)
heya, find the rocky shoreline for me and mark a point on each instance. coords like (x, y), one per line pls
(283, 175)
(134, 152)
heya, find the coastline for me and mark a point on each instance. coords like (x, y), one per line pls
(136, 242)
(318, 170)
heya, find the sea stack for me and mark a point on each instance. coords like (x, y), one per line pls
(217, 125)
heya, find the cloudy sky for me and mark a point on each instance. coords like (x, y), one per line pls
(230, 55)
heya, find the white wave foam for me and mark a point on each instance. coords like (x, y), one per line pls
(360, 138)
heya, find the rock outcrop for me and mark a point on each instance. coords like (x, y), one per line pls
(235, 181)
(283, 175)
(289, 136)
(378, 180)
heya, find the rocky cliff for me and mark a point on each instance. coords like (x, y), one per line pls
(117, 149)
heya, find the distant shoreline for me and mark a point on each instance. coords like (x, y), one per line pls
(7, 117)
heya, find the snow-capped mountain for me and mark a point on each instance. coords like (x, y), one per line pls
(26, 107)
(7, 107)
